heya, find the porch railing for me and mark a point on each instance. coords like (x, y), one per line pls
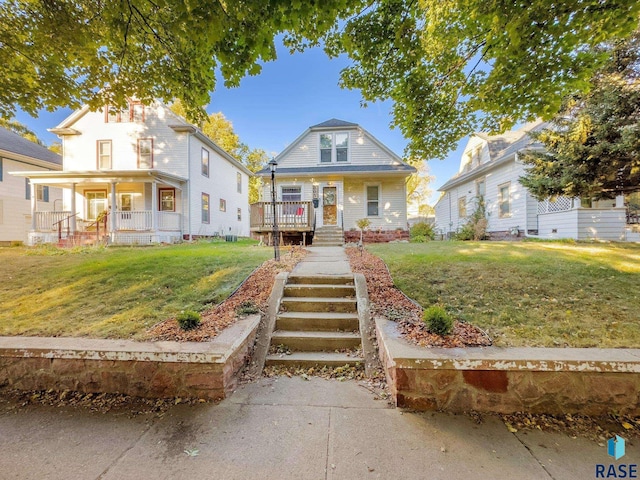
(134, 221)
(169, 221)
(291, 216)
(560, 204)
(49, 221)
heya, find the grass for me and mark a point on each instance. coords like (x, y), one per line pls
(528, 293)
(116, 292)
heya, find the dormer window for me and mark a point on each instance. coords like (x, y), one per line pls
(334, 147)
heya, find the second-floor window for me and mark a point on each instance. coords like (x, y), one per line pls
(104, 155)
(481, 188)
(334, 147)
(205, 162)
(223, 205)
(239, 182)
(133, 112)
(145, 153)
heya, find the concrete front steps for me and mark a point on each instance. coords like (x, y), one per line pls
(317, 323)
(328, 237)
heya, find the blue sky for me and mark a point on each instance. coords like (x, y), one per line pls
(296, 91)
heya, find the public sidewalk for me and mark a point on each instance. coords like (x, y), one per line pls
(285, 428)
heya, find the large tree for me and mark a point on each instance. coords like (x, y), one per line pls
(449, 66)
(455, 66)
(593, 143)
(65, 53)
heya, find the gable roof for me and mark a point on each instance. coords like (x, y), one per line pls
(502, 148)
(334, 123)
(11, 142)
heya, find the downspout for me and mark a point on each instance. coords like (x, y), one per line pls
(188, 186)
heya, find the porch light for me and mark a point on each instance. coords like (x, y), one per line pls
(273, 165)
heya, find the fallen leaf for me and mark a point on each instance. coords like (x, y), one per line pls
(510, 427)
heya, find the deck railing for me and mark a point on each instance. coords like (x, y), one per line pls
(140, 220)
(290, 216)
(170, 221)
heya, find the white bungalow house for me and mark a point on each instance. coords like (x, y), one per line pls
(140, 175)
(490, 168)
(332, 175)
(17, 195)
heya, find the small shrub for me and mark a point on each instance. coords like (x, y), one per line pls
(420, 231)
(247, 308)
(438, 320)
(188, 320)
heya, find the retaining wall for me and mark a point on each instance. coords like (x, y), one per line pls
(508, 380)
(376, 236)
(144, 369)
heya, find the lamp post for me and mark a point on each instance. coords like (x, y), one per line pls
(273, 165)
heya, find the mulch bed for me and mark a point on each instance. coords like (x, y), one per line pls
(389, 302)
(255, 289)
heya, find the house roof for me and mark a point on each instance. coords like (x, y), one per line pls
(334, 123)
(11, 142)
(344, 169)
(66, 178)
(502, 148)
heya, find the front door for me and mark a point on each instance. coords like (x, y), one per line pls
(96, 203)
(329, 206)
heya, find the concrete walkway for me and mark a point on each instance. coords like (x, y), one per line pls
(323, 261)
(284, 428)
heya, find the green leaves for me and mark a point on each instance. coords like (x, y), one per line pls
(593, 144)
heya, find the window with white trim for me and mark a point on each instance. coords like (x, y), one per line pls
(204, 209)
(223, 205)
(145, 153)
(205, 162)
(462, 207)
(291, 194)
(167, 200)
(504, 200)
(373, 200)
(334, 147)
(104, 155)
(239, 214)
(481, 188)
(239, 182)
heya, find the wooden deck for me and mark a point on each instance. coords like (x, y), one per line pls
(290, 217)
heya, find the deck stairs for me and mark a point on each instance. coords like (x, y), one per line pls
(328, 237)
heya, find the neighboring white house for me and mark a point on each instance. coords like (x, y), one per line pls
(17, 194)
(490, 168)
(332, 175)
(141, 175)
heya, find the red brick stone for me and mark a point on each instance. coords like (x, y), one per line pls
(203, 381)
(489, 380)
(162, 384)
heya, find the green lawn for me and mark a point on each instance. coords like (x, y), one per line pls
(528, 293)
(116, 292)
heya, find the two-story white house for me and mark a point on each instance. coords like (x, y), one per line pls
(141, 175)
(490, 168)
(332, 175)
(17, 195)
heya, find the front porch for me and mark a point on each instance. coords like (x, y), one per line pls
(126, 208)
(611, 220)
(123, 228)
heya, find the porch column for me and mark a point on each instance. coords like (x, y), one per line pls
(154, 206)
(113, 208)
(32, 190)
(620, 201)
(72, 223)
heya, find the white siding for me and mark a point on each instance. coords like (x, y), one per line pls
(393, 203)
(221, 184)
(169, 147)
(15, 217)
(363, 150)
(447, 208)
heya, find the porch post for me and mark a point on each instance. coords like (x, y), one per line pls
(113, 208)
(72, 223)
(154, 206)
(32, 190)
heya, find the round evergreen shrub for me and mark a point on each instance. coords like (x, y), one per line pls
(422, 232)
(188, 320)
(438, 320)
